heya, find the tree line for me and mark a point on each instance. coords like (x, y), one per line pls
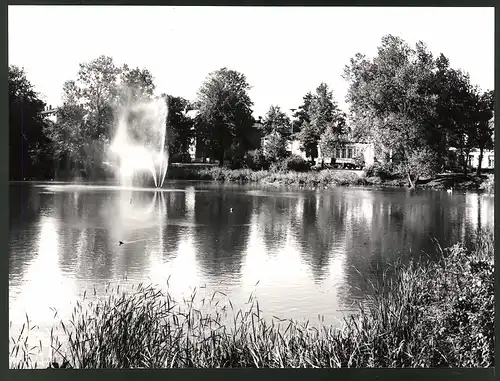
(411, 105)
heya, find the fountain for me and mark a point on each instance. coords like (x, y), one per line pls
(138, 146)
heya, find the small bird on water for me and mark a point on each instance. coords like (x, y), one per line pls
(120, 243)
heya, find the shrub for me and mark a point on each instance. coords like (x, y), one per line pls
(291, 163)
(256, 160)
(184, 157)
(386, 171)
(488, 185)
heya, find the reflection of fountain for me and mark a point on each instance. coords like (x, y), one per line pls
(139, 143)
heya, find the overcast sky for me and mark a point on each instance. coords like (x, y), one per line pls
(284, 52)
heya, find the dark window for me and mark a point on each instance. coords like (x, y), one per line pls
(343, 153)
(349, 153)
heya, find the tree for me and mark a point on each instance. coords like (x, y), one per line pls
(179, 125)
(308, 136)
(225, 110)
(302, 114)
(97, 83)
(276, 147)
(86, 120)
(276, 121)
(485, 125)
(321, 112)
(139, 83)
(335, 136)
(392, 91)
(29, 147)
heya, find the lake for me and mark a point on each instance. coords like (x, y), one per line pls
(302, 252)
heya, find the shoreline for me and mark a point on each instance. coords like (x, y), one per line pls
(325, 178)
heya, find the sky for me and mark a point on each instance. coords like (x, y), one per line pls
(283, 52)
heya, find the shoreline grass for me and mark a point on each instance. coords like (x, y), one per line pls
(425, 314)
(325, 177)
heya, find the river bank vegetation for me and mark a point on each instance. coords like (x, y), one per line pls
(437, 313)
(322, 178)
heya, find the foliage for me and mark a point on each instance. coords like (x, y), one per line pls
(275, 147)
(393, 91)
(225, 111)
(291, 163)
(359, 160)
(386, 171)
(179, 126)
(488, 185)
(256, 160)
(332, 138)
(276, 121)
(319, 113)
(30, 151)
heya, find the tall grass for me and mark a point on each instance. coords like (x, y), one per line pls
(421, 314)
(312, 178)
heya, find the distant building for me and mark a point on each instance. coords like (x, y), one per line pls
(50, 113)
(488, 161)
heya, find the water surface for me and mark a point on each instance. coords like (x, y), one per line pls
(310, 251)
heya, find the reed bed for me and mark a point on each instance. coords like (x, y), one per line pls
(420, 314)
(311, 178)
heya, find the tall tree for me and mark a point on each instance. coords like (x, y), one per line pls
(29, 146)
(97, 82)
(322, 111)
(393, 91)
(180, 126)
(302, 114)
(484, 125)
(225, 109)
(335, 136)
(276, 121)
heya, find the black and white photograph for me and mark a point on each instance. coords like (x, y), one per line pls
(250, 187)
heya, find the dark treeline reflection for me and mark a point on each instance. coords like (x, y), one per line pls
(356, 229)
(222, 236)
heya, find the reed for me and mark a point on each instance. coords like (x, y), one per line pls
(436, 313)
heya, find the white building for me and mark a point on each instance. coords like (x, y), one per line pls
(488, 161)
(344, 156)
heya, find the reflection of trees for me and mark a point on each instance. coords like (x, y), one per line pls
(402, 226)
(273, 219)
(319, 228)
(25, 203)
(222, 239)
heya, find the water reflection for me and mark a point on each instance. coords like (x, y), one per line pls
(310, 252)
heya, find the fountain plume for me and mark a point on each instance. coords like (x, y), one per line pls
(139, 144)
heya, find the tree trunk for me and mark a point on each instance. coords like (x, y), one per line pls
(410, 182)
(221, 157)
(466, 161)
(478, 171)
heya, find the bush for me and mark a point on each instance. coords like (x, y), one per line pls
(488, 185)
(256, 160)
(291, 163)
(387, 171)
(184, 157)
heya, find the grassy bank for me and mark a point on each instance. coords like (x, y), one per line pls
(266, 177)
(423, 315)
(326, 177)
